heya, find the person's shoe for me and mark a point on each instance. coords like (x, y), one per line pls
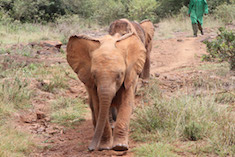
(202, 32)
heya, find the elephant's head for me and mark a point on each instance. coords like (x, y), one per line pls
(105, 65)
(148, 28)
(121, 26)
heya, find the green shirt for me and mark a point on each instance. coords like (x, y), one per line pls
(196, 10)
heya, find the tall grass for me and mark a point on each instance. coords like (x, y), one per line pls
(14, 143)
(16, 32)
(14, 94)
(185, 118)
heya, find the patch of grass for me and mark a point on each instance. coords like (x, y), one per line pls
(57, 82)
(4, 51)
(225, 97)
(24, 33)
(16, 32)
(155, 150)
(14, 143)
(26, 51)
(185, 118)
(67, 111)
(14, 94)
(179, 23)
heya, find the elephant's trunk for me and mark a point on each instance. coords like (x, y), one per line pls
(105, 94)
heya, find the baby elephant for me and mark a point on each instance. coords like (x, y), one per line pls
(109, 67)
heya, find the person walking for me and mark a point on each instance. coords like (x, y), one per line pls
(197, 8)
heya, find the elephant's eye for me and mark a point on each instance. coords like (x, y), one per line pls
(119, 76)
(93, 76)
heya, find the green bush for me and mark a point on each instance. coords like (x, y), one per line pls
(222, 48)
(84, 8)
(225, 12)
(33, 11)
(183, 13)
(107, 11)
(140, 10)
(212, 4)
(104, 11)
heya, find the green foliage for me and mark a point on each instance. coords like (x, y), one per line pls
(225, 12)
(183, 13)
(108, 10)
(103, 11)
(170, 7)
(222, 48)
(84, 8)
(212, 4)
(140, 10)
(33, 11)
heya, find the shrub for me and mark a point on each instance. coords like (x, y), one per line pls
(183, 13)
(108, 10)
(84, 8)
(212, 4)
(225, 12)
(33, 11)
(140, 10)
(222, 48)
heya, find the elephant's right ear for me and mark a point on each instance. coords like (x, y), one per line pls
(78, 56)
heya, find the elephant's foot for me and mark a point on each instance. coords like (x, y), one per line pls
(105, 145)
(120, 145)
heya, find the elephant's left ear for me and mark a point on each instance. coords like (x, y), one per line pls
(135, 55)
(79, 49)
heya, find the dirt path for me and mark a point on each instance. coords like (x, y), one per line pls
(176, 53)
(167, 56)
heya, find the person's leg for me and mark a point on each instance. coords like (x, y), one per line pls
(200, 27)
(194, 25)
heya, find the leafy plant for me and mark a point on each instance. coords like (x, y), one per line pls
(225, 12)
(140, 10)
(222, 48)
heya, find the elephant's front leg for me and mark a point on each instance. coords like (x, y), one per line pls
(106, 140)
(121, 129)
(94, 105)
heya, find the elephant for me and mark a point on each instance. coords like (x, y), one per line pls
(109, 67)
(144, 30)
